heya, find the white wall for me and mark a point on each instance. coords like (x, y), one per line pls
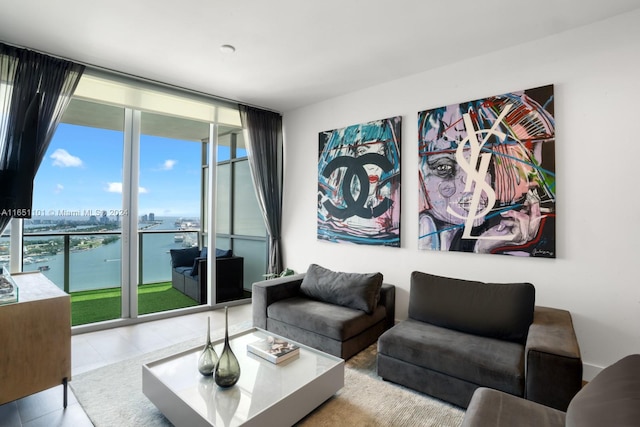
(596, 72)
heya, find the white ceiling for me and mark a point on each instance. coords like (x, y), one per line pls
(289, 53)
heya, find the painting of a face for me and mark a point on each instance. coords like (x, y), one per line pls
(445, 183)
(374, 171)
(487, 175)
(359, 183)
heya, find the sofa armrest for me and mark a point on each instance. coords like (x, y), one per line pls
(493, 408)
(266, 292)
(388, 299)
(553, 365)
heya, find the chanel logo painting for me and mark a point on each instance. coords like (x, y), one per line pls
(487, 175)
(359, 183)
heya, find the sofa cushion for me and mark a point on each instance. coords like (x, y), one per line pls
(496, 310)
(222, 253)
(183, 257)
(183, 270)
(612, 398)
(477, 360)
(333, 321)
(196, 262)
(353, 290)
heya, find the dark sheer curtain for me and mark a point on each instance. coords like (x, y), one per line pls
(264, 150)
(35, 90)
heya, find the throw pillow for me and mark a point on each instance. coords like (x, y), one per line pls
(194, 269)
(353, 290)
(223, 253)
(183, 257)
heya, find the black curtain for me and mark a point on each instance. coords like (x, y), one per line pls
(264, 151)
(35, 90)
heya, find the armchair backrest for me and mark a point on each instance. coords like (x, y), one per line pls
(611, 398)
(496, 310)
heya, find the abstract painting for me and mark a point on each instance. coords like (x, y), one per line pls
(359, 183)
(487, 175)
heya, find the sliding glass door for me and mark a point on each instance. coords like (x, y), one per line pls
(135, 172)
(169, 206)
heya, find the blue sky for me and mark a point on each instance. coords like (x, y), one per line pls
(82, 171)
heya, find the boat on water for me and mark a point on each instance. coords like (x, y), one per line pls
(178, 238)
(44, 268)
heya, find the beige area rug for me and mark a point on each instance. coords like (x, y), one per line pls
(112, 396)
(367, 400)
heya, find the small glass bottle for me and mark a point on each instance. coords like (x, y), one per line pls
(208, 358)
(227, 370)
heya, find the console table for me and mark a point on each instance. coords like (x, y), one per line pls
(35, 339)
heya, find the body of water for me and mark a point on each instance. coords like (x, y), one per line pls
(101, 267)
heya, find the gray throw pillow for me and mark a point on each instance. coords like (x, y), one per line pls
(353, 290)
(183, 257)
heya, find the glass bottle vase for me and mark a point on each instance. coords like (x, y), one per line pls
(208, 358)
(227, 370)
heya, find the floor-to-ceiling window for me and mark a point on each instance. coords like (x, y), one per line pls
(74, 236)
(125, 181)
(239, 224)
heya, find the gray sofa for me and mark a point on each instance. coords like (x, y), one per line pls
(612, 398)
(338, 313)
(461, 335)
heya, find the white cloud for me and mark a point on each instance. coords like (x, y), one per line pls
(169, 164)
(63, 159)
(116, 187)
(58, 189)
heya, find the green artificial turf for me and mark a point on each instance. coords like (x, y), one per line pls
(105, 304)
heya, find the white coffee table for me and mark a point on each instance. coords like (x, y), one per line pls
(266, 394)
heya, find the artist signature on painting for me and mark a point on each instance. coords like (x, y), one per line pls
(542, 253)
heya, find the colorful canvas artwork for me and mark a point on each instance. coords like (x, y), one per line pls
(359, 183)
(487, 175)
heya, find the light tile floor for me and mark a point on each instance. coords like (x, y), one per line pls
(96, 349)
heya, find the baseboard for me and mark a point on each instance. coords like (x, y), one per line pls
(590, 371)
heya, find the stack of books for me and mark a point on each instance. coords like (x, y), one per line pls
(275, 350)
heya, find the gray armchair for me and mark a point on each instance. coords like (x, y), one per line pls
(461, 335)
(612, 398)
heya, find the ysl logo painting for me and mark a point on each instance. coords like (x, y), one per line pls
(487, 175)
(359, 183)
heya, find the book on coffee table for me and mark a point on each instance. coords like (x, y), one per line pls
(275, 350)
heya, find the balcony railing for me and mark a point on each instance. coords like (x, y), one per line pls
(83, 260)
(92, 260)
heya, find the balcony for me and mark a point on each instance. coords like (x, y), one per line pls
(87, 265)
